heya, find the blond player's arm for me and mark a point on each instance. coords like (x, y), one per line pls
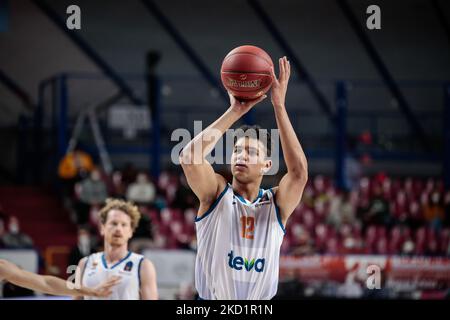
(149, 289)
(200, 175)
(289, 192)
(47, 284)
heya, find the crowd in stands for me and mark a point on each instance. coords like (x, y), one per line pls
(380, 215)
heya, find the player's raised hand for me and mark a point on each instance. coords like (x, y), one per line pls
(104, 289)
(243, 106)
(280, 84)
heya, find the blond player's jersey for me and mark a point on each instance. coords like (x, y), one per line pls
(97, 271)
(238, 247)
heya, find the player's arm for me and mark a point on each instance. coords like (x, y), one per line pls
(202, 179)
(149, 289)
(49, 284)
(290, 190)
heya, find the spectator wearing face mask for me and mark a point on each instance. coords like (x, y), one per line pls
(14, 238)
(142, 191)
(91, 191)
(83, 247)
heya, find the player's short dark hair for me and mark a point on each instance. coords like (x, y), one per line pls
(262, 135)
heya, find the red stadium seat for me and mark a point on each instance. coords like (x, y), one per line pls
(381, 246)
(332, 246)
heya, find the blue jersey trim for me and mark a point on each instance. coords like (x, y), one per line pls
(139, 271)
(104, 261)
(122, 260)
(277, 210)
(84, 269)
(197, 219)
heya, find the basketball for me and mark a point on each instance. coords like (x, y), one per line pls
(245, 72)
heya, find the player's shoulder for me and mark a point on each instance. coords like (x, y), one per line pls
(136, 256)
(146, 265)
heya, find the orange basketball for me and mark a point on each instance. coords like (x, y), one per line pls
(246, 72)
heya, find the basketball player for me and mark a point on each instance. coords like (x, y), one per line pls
(118, 221)
(49, 284)
(240, 227)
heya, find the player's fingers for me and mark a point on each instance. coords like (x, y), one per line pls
(281, 64)
(272, 71)
(262, 97)
(286, 68)
(112, 282)
(259, 99)
(106, 293)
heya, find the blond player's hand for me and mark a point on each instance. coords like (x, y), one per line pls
(104, 289)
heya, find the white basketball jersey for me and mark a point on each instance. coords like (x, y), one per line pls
(238, 248)
(97, 271)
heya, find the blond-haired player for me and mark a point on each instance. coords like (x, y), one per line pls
(118, 220)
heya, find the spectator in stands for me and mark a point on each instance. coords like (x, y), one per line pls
(14, 239)
(184, 197)
(91, 191)
(83, 247)
(142, 191)
(432, 248)
(434, 211)
(116, 187)
(129, 173)
(302, 243)
(143, 235)
(342, 211)
(71, 169)
(378, 212)
(408, 248)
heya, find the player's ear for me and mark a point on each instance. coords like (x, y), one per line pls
(102, 229)
(267, 166)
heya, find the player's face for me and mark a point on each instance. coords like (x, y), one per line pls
(117, 229)
(248, 161)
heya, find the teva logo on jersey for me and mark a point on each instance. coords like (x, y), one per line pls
(238, 263)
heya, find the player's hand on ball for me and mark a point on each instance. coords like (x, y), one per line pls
(243, 106)
(105, 289)
(279, 85)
